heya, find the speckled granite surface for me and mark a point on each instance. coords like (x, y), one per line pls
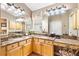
(68, 41)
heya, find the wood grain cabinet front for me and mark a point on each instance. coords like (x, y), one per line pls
(47, 50)
(15, 52)
(29, 40)
(48, 42)
(22, 43)
(35, 40)
(43, 47)
(60, 44)
(37, 48)
(41, 40)
(12, 46)
(27, 49)
(3, 51)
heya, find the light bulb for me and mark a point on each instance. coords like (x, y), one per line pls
(17, 11)
(62, 10)
(11, 8)
(57, 11)
(23, 12)
(52, 12)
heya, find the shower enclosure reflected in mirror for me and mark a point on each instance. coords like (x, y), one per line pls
(65, 24)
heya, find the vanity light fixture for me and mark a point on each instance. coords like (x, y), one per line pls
(58, 10)
(12, 9)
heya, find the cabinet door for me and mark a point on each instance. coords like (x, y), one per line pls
(78, 18)
(27, 49)
(15, 52)
(18, 26)
(2, 51)
(47, 50)
(37, 48)
(74, 20)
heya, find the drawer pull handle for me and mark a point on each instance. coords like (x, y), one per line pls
(12, 46)
(48, 42)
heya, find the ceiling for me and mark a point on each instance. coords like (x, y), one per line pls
(36, 6)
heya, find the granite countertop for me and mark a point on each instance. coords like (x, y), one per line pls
(68, 41)
(13, 40)
(43, 37)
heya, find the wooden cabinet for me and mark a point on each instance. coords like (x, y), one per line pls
(48, 42)
(35, 40)
(22, 43)
(73, 16)
(27, 49)
(37, 48)
(60, 44)
(3, 26)
(2, 51)
(47, 50)
(12, 46)
(29, 40)
(15, 52)
(78, 19)
(43, 47)
(22, 48)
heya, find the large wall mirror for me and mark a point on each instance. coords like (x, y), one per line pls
(65, 23)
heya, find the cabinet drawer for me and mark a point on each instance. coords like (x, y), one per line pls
(41, 40)
(12, 46)
(29, 40)
(74, 47)
(22, 43)
(35, 39)
(48, 42)
(60, 44)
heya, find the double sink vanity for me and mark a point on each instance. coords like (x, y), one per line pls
(41, 45)
(35, 28)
